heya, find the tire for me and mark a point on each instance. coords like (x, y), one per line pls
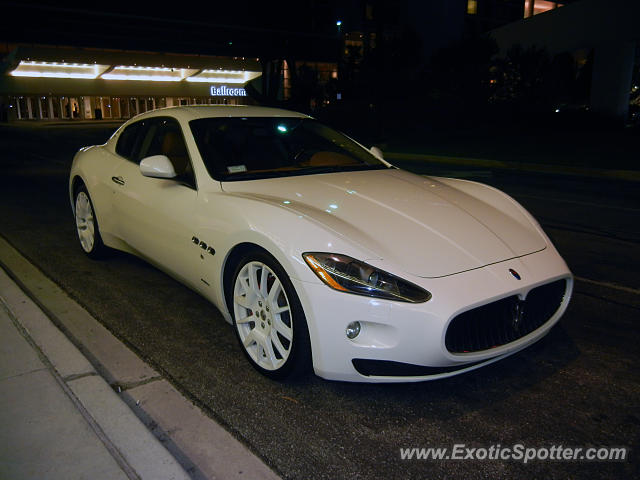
(87, 225)
(268, 318)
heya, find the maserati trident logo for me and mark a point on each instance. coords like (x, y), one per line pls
(518, 315)
(515, 274)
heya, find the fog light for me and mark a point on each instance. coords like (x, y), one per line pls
(353, 330)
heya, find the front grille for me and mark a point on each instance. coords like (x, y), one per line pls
(504, 321)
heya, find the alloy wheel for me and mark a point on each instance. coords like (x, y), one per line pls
(263, 315)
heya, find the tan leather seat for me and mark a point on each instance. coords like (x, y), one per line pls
(173, 147)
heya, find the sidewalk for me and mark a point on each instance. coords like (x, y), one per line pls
(80, 404)
(59, 419)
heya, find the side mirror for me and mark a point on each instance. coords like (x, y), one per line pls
(376, 152)
(157, 166)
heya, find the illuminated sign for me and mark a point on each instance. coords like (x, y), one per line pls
(224, 91)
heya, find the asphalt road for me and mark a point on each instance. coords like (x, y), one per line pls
(577, 387)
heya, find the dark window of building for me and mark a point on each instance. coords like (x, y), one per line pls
(124, 108)
(133, 107)
(55, 104)
(44, 107)
(66, 107)
(25, 108)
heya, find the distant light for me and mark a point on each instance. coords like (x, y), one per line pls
(287, 202)
(230, 43)
(282, 128)
(557, 110)
(338, 23)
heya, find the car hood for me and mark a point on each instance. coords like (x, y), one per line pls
(422, 225)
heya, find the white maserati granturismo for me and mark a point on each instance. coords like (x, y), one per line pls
(319, 252)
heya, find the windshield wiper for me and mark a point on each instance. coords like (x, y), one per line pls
(303, 171)
(339, 168)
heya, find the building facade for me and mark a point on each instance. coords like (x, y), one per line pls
(64, 83)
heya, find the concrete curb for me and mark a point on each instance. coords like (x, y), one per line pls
(138, 453)
(628, 175)
(195, 442)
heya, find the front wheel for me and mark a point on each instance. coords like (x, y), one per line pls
(87, 225)
(268, 318)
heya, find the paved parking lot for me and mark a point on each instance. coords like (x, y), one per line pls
(577, 387)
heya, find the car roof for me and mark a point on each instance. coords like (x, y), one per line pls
(192, 112)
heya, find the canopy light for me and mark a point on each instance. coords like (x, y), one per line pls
(223, 76)
(153, 74)
(58, 70)
(131, 72)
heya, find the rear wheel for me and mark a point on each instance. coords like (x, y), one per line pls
(87, 225)
(268, 318)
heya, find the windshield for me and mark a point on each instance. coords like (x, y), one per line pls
(242, 148)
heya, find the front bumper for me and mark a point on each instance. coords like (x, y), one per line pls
(403, 342)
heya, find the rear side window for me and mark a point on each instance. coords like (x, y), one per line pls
(127, 141)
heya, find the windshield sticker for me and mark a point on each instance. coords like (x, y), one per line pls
(236, 168)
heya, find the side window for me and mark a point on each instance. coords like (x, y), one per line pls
(134, 140)
(145, 137)
(165, 137)
(127, 140)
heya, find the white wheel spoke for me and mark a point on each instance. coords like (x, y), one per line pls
(276, 288)
(282, 329)
(243, 301)
(271, 356)
(261, 343)
(253, 279)
(247, 319)
(249, 339)
(278, 344)
(282, 309)
(263, 282)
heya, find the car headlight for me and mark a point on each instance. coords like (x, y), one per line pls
(347, 274)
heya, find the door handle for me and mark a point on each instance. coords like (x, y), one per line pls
(118, 180)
